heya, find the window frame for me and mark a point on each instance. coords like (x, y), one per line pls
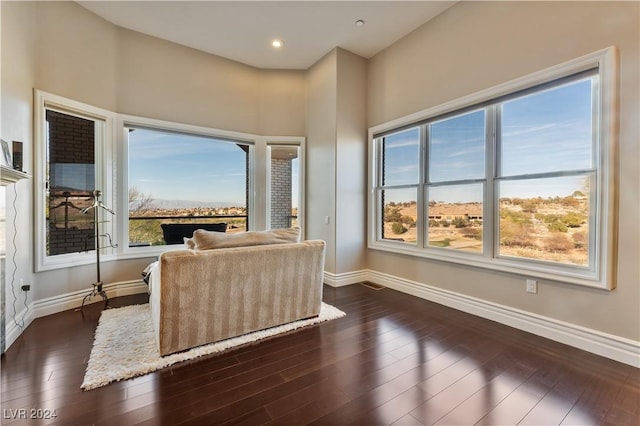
(286, 141)
(103, 176)
(604, 205)
(258, 204)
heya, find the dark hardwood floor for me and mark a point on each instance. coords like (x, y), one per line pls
(394, 359)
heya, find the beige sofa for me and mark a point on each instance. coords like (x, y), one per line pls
(203, 296)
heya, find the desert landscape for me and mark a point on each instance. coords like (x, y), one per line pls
(551, 229)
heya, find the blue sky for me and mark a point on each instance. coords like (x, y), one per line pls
(544, 132)
(184, 167)
(180, 167)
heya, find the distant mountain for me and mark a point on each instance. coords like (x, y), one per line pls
(189, 204)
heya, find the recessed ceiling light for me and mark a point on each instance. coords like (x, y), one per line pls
(276, 44)
(359, 23)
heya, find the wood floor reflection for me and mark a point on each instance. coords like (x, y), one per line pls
(394, 359)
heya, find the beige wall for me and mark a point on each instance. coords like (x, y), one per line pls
(351, 162)
(320, 188)
(477, 45)
(167, 81)
(132, 73)
(336, 158)
(75, 54)
(281, 103)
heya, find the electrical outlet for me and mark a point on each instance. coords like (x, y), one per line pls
(532, 286)
(23, 286)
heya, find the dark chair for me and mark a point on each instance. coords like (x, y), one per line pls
(174, 233)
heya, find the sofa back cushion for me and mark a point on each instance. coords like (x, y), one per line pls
(205, 240)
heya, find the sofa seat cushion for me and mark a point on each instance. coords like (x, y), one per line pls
(206, 240)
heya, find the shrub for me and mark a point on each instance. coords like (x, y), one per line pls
(580, 240)
(408, 220)
(557, 226)
(569, 202)
(516, 234)
(515, 216)
(573, 220)
(550, 218)
(558, 242)
(392, 214)
(398, 228)
(459, 222)
(145, 231)
(474, 233)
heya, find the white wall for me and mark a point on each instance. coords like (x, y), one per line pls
(477, 45)
(18, 73)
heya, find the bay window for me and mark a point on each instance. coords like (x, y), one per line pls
(154, 174)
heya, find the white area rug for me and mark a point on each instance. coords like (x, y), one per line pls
(125, 345)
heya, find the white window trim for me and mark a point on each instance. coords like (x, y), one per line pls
(603, 275)
(104, 177)
(258, 173)
(125, 121)
(300, 142)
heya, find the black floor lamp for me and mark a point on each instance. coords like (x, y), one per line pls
(97, 286)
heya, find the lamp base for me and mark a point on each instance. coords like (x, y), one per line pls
(97, 291)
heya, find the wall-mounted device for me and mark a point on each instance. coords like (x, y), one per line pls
(17, 155)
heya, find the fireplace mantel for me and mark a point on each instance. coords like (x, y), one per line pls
(9, 175)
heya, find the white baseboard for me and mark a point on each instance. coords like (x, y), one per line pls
(340, 280)
(14, 330)
(55, 304)
(607, 345)
(64, 302)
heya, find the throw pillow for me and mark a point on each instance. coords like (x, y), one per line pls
(189, 243)
(205, 240)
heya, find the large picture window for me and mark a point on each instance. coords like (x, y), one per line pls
(517, 178)
(180, 178)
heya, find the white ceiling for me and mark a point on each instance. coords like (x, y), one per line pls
(242, 30)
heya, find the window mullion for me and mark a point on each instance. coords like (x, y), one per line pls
(490, 223)
(422, 210)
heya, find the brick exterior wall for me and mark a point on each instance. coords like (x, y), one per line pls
(280, 193)
(71, 159)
